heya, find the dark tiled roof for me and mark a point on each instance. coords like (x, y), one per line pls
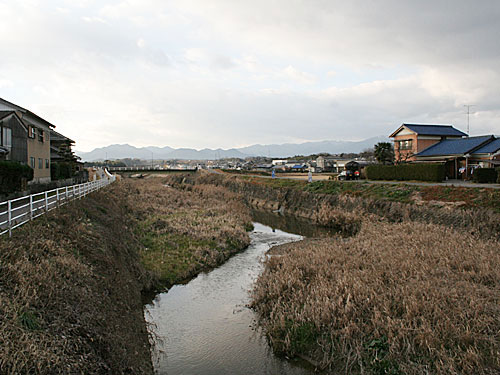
(455, 146)
(489, 148)
(444, 130)
(55, 136)
(4, 114)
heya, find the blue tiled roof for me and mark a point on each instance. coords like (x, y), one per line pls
(454, 146)
(444, 130)
(489, 148)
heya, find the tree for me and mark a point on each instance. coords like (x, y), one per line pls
(384, 152)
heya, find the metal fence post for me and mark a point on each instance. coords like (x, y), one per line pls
(9, 204)
(31, 207)
(46, 202)
(57, 197)
(66, 198)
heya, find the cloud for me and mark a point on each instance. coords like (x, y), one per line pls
(299, 76)
(219, 74)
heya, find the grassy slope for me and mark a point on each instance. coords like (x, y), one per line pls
(394, 299)
(187, 230)
(71, 281)
(472, 197)
(70, 292)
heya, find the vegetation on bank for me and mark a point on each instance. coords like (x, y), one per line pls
(70, 292)
(396, 293)
(187, 229)
(71, 281)
(466, 196)
(406, 298)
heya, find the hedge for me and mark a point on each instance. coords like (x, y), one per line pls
(405, 172)
(12, 175)
(484, 175)
(60, 171)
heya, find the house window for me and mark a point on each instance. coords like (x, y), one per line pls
(406, 145)
(7, 141)
(46, 163)
(32, 162)
(40, 163)
(32, 132)
(40, 135)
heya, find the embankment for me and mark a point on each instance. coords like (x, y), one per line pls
(410, 288)
(72, 281)
(307, 200)
(70, 292)
(188, 229)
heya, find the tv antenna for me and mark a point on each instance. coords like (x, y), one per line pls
(468, 116)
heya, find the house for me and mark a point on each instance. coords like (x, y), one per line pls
(488, 155)
(26, 137)
(462, 154)
(61, 151)
(330, 164)
(410, 139)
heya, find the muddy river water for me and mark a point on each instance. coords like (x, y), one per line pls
(204, 326)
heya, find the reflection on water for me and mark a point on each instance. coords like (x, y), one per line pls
(205, 326)
(291, 224)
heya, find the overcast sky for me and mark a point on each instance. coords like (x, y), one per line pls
(230, 73)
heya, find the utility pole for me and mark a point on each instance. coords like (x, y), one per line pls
(468, 116)
(151, 159)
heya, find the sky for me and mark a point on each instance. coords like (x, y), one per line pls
(232, 73)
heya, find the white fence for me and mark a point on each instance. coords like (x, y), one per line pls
(17, 212)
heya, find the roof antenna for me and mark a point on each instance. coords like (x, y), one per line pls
(468, 116)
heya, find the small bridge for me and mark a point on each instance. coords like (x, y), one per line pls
(145, 168)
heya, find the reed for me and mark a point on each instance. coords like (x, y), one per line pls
(405, 298)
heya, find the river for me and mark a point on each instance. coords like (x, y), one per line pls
(204, 326)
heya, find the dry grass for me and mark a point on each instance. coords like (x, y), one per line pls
(70, 292)
(300, 199)
(71, 281)
(342, 222)
(186, 230)
(406, 298)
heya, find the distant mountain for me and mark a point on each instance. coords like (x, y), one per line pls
(308, 148)
(125, 151)
(275, 150)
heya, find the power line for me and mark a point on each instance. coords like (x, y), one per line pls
(468, 116)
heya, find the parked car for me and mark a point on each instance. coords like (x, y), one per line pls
(346, 175)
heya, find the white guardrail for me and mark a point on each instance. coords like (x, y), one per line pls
(19, 211)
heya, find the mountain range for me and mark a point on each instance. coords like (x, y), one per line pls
(274, 150)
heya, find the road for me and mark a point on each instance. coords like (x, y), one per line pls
(319, 177)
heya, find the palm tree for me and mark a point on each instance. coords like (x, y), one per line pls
(384, 152)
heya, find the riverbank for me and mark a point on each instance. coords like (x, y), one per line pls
(72, 282)
(390, 202)
(406, 298)
(187, 229)
(70, 292)
(411, 287)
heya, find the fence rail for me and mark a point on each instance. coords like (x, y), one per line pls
(19, 211)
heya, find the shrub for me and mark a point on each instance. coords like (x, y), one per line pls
(12, 175)
(404, 172)
(498, 174)
(60, 171)
(484, 175)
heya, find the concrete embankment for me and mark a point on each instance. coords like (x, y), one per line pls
(300, 201)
